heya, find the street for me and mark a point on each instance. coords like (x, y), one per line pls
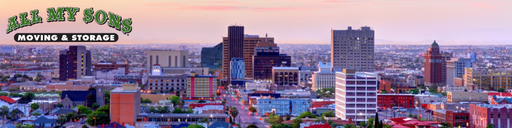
(243, 117)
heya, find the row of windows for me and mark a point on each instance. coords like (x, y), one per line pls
(166, 80)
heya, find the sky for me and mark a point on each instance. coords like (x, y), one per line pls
(418, 22)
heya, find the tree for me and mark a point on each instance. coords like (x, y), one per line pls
(204, 120)
(145, 100)
(383, 91)
(234, 112)
(288, 117)
(224, 102)
(70, 116)
(107, 97)
(254, 126)
(37, 79)
(62, 120)
(444, 93)
(252, 109)
(306, 114)
(152, 109)
(501, 90)
(362, 124)
(273, 119)
(328, 114)
(195, 126)
(34, 106)
(490, 126)
(446, 125)
(100, 116)
(37, 113)
(60, 105)
(296, 122)
(175, 100)
(4, 110)
(84, 110)
(95, 106)
(415, 91)
(90, 99)
(213, 97)
(349, 126)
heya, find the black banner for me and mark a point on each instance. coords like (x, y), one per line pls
(66, 37)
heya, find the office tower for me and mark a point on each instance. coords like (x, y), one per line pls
(201, 85)
(267, 56)
(238, 45)
(433, 66)
(211, 57)
(125, 104)
(167, 58)
(356, 95)
(324, 77)
(352, 49)
(455, 69)
(74, 63)
(445, 56)
(237, 69)
(487, 79)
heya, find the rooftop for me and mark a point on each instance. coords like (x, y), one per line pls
(508, 106)
(120, 89)
(286, 68)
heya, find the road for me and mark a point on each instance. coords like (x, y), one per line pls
(243, 117)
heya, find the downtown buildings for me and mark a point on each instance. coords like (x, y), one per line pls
(324, 77)
(487, 79)
(211, 57)
(74, 63)
(166, 59)
(353, 49)
(266, 56)
(455, 69)
(201, 85)
(239, 45)
(356, 95)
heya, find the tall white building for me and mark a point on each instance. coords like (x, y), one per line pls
(324, 77)
(352, 49)
(356, 95)
(237, 68)
(455, 68)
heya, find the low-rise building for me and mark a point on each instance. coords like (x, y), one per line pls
(164, 83)
(324, 77)
(258, 85)
(480, 115)
(201, 85)
(456, 97)
(285, 76)
(385, 101)
(283, 106)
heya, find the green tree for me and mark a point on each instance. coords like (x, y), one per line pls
(328, 114)
(34, 106)
(444, 93)
(383, 92)
(288, 117)
(362, 124)
(107, 97)
(296, 122)
(415, 91)
(100, 116)
(60, 105)
(234, 112)
(95, 106)
(195, 126)
(152, 109)
(501, 90)
(490, 126)
(70, 116)
(90, 99)
(84, 110)
(4, 110)
(62, 120)
(224, 102)
(306, 114)
(252, 109)
(273, 119)
(349, 126)
(36, 113)
(254, 126)
(446, 125)
(37, 79)
(175, 100)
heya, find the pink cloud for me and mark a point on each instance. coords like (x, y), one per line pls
(482, 6)
(222, 7)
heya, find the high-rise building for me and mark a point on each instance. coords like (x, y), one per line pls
(476, 79)
(267, 56)
(324, 77)
(433, 66)
(455, 69)
(201, 85)
(125, 104)
(445, 56)
(167, 59)
(211, 57)
(74, 63)
(237, 68)
(238, 45)
(352, 49)
(356, 95)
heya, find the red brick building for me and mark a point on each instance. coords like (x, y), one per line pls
(457, 119)
(318, 104)
(125, 104)
(433, 66)
(385, 101)
(385, 85)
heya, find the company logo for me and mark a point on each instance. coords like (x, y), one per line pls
(58, 15)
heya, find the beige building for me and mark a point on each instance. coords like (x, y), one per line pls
(258, 85)
(74, 85)
(324, 77)
(456, 97)
(285, 76)
(167, 58)
(475, 79)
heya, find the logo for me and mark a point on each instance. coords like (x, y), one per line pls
(58, 15)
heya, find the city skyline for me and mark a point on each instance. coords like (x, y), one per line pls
(450, 22)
